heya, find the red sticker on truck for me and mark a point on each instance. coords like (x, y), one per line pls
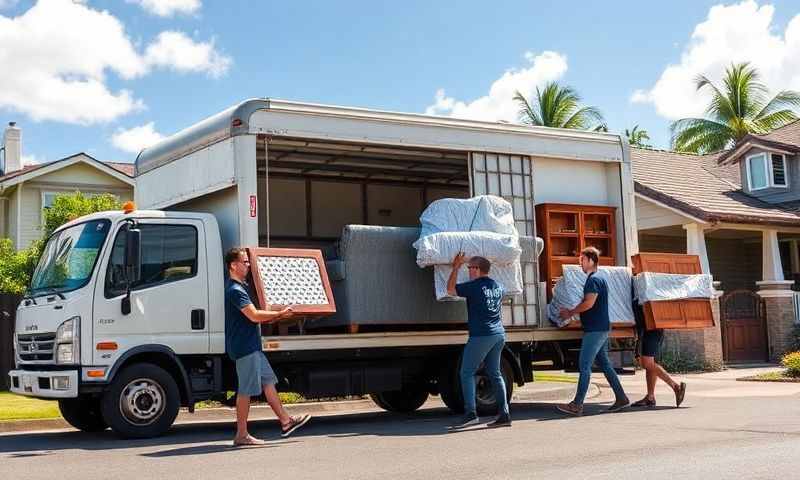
(253, 204)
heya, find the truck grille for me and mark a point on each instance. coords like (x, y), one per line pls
(36, 347)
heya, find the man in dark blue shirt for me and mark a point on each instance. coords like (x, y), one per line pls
(486, 337)
(594, 344)
(243, 345)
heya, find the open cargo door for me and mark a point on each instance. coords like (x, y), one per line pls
(511, 177)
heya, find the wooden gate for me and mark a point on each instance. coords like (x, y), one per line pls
(744, 329)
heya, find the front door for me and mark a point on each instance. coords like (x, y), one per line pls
(743, 327)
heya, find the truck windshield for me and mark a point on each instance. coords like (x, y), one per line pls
(69, 258)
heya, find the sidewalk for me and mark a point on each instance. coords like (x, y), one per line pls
(532, 392)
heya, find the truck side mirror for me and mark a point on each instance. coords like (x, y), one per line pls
(133, 264)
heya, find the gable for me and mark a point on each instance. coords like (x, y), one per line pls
(81, 173)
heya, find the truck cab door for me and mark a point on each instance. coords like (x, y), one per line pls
(169, 303)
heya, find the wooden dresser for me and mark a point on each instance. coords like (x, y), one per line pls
(568, 229)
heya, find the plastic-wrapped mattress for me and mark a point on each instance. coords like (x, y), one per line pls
(440, 248)
(568, 292)
(651, 286)
(486, 213)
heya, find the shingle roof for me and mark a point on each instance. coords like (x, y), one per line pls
(786, 138)
(788, 134)
(124, 168)
(699, 186)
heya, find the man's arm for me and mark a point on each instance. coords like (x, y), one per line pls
(458, 260)
(266, 316)
(586, 304)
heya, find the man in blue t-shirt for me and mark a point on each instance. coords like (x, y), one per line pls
(594, 344)
(243, 345)
(486, 337)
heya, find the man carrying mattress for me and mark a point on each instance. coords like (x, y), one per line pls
(486, 337)
(596, 327)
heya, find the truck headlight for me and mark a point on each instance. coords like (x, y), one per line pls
(67, 343)
(66, 332)
(65, 353)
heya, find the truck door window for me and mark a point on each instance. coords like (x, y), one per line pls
(169, 253)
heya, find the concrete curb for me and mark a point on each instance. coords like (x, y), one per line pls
(534, 392)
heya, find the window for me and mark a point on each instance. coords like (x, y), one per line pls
(169, 253)
(765, 171)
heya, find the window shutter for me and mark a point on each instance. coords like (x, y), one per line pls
(778, 170)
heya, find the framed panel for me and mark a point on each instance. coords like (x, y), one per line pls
(291, 277)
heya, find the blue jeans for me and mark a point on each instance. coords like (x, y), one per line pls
(484, 350)
(594, 346)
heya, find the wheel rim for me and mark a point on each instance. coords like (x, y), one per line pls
(142, 401)
(484, 393)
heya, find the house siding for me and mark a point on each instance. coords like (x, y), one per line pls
(772, 194)
(11, 230)
(735, 263)
(30, 216)
(662, 243)
(649, 215)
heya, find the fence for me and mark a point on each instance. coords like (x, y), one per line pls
(8, 304)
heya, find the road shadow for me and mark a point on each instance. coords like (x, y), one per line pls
(184, 438)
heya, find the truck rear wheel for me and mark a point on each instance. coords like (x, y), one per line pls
(401, 401)
(83, 413)
(142, 402)
(485, 403)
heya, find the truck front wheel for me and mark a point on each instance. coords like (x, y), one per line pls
(83, 413)
(142, 402)
(401, 401)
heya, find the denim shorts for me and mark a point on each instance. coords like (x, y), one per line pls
(253, 372)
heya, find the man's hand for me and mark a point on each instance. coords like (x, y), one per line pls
(565, 314)
(287, 312)
(458, 260)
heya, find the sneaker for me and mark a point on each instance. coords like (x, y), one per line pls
(468, 420)
(294, 424)
(645, 402)
(680, 392)
(619, 405)
(500, 421)
(570, 409)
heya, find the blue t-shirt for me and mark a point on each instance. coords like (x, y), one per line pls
(483, 306)
(242, 337)
(596, 318)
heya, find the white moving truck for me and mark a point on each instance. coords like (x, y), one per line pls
(124, 320)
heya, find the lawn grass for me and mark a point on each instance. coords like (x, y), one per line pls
(771, 377)
(18, 407)
(548, 376)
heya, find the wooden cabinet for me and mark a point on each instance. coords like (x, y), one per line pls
(568, 229)
(674, 314)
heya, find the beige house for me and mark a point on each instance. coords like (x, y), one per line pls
(26, 190)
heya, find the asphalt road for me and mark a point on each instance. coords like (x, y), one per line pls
(726, 429)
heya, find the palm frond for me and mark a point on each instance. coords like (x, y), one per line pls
(700, 135)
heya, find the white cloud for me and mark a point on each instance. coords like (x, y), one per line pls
(31, 160)
(168, 8)
(135, 139)
(731, 34)
(499, 103)
(177, 51)
(51, 72)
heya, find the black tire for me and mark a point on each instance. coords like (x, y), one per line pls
(401, 401)
(142, 402)
(83, 413)
(485, 403)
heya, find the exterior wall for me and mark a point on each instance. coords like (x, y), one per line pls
(734, 263)
(30, 216)
(650, 215)
(780, 318)
(13, 206)
(774, 194)
(702, 348)
(662, 243)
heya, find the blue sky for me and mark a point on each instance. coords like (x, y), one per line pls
(86, 77)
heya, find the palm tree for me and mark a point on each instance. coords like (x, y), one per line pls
(739, 108)
(638, 138)
(558, 106)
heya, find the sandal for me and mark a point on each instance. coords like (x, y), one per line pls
(645, 402)
(294, 424)
(680, 392)
(248, 441)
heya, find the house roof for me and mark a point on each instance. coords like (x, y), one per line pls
(785, 139)
(704, 188)
(118, 169)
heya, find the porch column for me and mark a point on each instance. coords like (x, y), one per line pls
(696, 244)
(771, 256)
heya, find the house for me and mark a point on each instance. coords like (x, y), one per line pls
(25, 190)
(739, 210)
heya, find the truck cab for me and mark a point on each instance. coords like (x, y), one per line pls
(118, 289)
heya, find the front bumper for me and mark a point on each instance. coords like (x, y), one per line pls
(45, 384)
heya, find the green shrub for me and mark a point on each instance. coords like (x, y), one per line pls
(16, 267)
(676, 362)
(792, 363)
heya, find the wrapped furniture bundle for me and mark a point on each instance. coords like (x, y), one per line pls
(568, 293)
(482, 226)
(652, 286)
